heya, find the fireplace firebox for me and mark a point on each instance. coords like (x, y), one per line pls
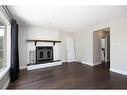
(44, 54)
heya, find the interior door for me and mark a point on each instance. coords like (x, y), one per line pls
(70, 49)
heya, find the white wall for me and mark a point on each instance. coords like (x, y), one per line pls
(119, 46)
(22, 37)
(84, 46)
(63, 52)
(26, 32)
(96, 48)
(40, 33)
(118, 38)
(36, 33)
(43, 34)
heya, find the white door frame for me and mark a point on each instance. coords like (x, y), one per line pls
(70, 49)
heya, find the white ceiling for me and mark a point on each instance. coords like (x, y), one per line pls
(66, 18)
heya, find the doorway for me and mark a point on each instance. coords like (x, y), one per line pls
(70, 49)
(101, 47)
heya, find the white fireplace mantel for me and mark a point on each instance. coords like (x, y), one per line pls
(50, 41)
(31, 46)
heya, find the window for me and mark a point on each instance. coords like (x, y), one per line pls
(3, 44)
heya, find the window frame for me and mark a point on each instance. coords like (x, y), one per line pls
(4, 49)
(5, 69)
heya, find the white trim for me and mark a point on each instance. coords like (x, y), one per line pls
(32, 67)
(87, 63)
(91, 64)
(8, 30)
(6, 84)
(118, 71)
(3, 72)
(23, 67)
(77, 61)
(64, 61)
(68, 62)
(3, 16)
(95, 64)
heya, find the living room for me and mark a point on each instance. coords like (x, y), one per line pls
(63, 47)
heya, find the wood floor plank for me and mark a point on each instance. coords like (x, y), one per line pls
(70, 76)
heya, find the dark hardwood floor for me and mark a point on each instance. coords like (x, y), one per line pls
(70, 76)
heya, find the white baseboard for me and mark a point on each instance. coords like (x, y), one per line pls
(22, 67)
(91, 64)
(77, 60)
(95, 64)
(118, 71)
(6, 84)
(64, 61)
(38, 66)
(69, 62)
(87, 63)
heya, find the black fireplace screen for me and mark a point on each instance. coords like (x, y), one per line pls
(44, 54)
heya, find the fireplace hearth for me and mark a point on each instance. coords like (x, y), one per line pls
(44, 54)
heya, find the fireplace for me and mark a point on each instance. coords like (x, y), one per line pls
(44, 54)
